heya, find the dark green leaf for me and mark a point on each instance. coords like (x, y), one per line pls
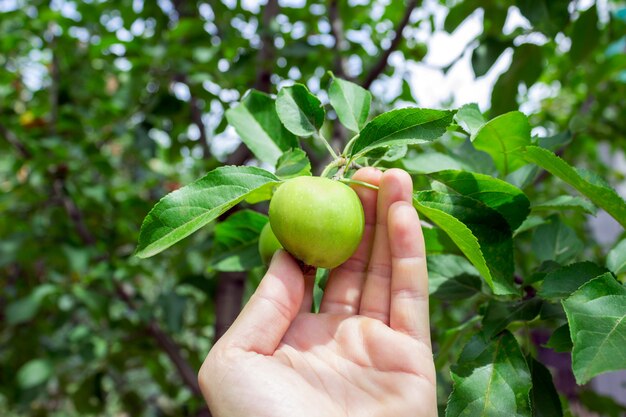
(500, 314)
(300, 111)
(490, 379)
(237, 241)
(351, 102)
(560, 341)
(186, 210)
(486, 54)
(437, 241)
(565, 280)
(256, 121)
(481, 233)
(601, 195)
(503, 138)
(596, 314)
(585, 35)
(501, 196)
(402, 127)
(452, 277)
(425, 163)
(544, 400)
(616, 259)
(556, 242)
(603, 405)
(293, 163)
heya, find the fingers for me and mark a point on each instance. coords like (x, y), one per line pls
(309, 283)
(395, 185)
(343, 289)
(409, 285)
(264, 320)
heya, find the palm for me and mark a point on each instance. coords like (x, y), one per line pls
(366, 354)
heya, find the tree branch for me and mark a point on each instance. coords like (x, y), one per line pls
(268, 51)
(380, 66)
(165, 342)
(14, 141)
(336, 26)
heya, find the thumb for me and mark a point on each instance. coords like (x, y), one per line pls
(264, 321)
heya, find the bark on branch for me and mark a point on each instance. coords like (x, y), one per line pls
(14, 141)
(336, 26)
(380, 66)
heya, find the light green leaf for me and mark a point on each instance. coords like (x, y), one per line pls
(33, 373)
(585, 35)
(500, 314)
(425, 163)
(481, 233)
(470, 118)
(491, 379)
(554, 241)
(236, 242)
(503, 138)
(300, 111)
(437, 241)
(501, 196)
(616, 259)
(293, 163)
(565, 280)
(565, 202)
(186, 210)
(601, 194)
(351, 102)
(596, 314)
(407, 126)
(544, 399)
(256, 121)
(26, 308)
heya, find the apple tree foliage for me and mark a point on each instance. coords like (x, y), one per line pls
(107, 108)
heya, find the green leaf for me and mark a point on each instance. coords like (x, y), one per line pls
(616, 259)
(602, 195)
(486, 54)
(555, 241)
(33, 373)
(351, 102)
(299, 110)
(481, 233)
(605, 406)
(565, 280)
(425, 163)
(237, 241)
(544, 399)
(491, 379)
(530, 223)
(402, 127)
(509, 201)
(560, 341)
(256, 121)
(173, 306)
(437, 241)
(293, 163)
(585, 35)
(500, 314)
(452, 277)
(503, 138)
(26, 308)
(470, 118)
(186, 210)
(596, 314)
(565, 202)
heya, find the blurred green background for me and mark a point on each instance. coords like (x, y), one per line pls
(107, 106)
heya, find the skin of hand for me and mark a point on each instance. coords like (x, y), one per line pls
(366, 353)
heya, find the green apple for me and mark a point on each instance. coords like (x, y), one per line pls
(318, 220)
(268, 244)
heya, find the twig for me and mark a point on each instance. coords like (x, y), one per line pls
(14, 141)
(267, 52)
(379, 67)
(336, 26)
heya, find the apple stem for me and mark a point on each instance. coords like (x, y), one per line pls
(364, 184)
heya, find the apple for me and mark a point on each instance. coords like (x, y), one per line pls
(268, 244)
(318, 220)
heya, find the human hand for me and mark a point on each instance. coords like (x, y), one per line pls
(367, 353)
